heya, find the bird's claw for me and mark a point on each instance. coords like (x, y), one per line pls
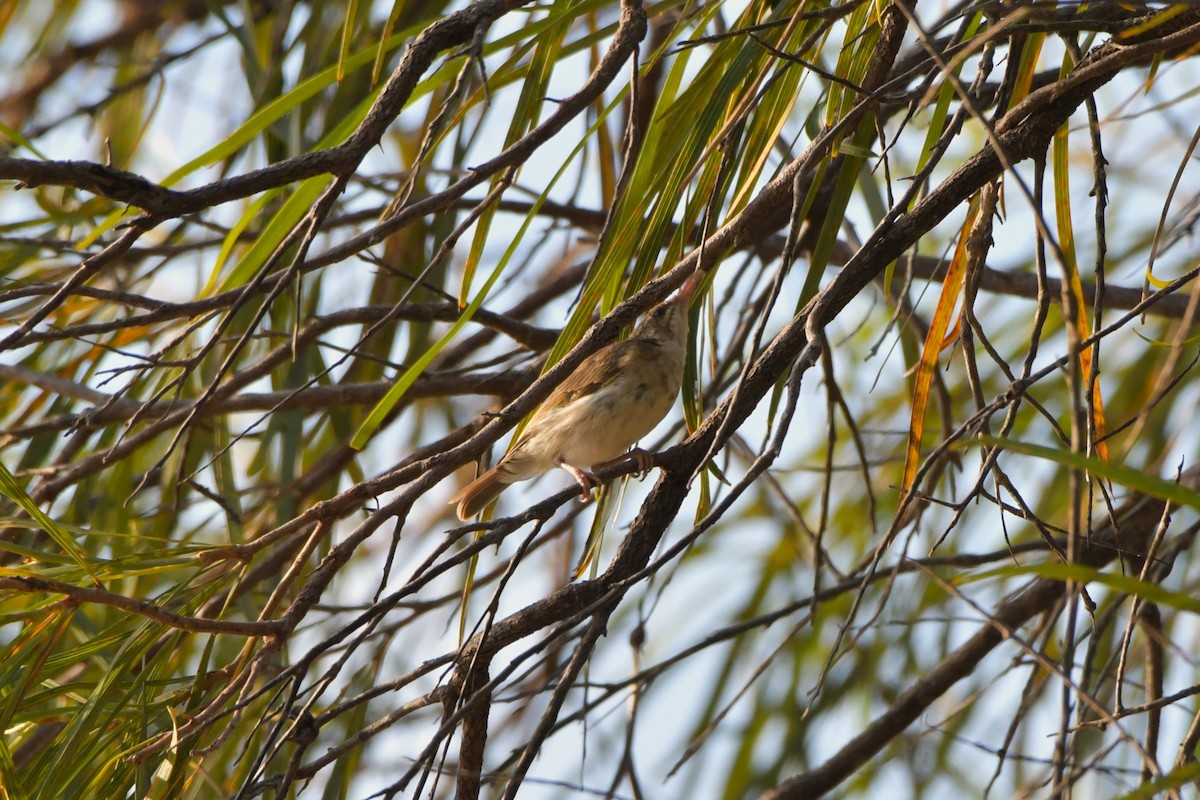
(642, 460)
(586, 484)
(586, 480)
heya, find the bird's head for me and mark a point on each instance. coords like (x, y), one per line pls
(668, 321)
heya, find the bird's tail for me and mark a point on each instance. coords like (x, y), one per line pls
(480, 492)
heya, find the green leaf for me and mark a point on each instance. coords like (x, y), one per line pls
(1175, 779)
(1080, 573)
(13, 490)
(1121, 474)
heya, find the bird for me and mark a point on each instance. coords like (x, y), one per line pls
(614, 397)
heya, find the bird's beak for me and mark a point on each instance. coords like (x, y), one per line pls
(689, 287)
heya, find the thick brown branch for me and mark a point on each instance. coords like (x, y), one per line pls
(1136, 521)
(163, 203)
(89, 594)
(110, 409)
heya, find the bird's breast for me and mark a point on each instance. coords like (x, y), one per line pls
(606, 423)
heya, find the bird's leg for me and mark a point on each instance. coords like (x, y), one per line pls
(587, 481)
(641, 459)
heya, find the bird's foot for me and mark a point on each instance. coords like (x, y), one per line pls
(586, 480)
(642, 460)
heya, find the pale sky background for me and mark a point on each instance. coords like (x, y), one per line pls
(202, 101)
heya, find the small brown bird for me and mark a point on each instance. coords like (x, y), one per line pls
(613, 398)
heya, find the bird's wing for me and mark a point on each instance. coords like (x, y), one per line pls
(596, 371)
